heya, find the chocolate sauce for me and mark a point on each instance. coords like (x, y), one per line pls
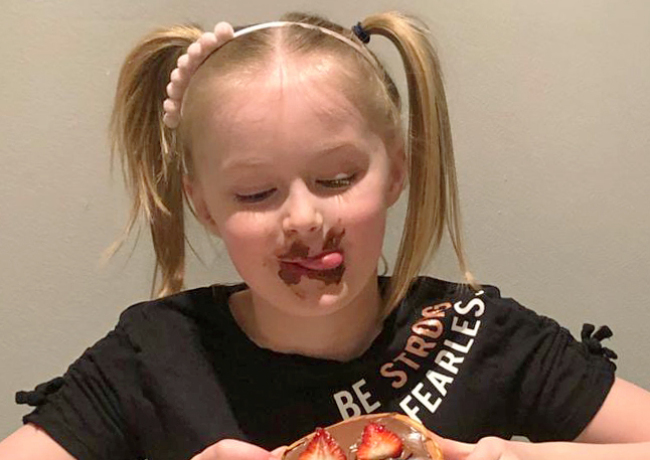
(296, 251)
(417, 446)
(333, 239)
(291, 273)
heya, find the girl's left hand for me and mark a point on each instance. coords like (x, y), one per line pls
(490, 448)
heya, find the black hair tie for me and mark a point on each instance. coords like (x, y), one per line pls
(361, 33)
(40, 393)
(592, 340)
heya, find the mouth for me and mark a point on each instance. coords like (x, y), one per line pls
(327, 267)
(324, 261)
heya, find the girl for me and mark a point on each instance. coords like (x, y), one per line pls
(285, 138)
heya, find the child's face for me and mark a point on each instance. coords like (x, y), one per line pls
(291, 176)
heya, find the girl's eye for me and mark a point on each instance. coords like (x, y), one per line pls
(339, 181)
(254, 197)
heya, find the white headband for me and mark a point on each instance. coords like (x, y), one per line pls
(209, 42)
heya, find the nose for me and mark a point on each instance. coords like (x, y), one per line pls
(302, 214)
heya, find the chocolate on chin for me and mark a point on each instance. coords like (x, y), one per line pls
(345, 440)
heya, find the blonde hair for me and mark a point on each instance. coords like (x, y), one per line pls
(154, 158)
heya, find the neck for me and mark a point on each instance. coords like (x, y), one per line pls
(342, 335)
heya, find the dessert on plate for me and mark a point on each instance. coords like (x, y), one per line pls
(368, 437)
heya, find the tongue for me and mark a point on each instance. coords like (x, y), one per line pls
(325, 262)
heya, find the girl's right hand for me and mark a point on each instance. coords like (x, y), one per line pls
(232, 449)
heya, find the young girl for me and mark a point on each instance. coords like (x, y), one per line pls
(285, 138)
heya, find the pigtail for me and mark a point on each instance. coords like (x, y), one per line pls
(151, 157)
(433, 194)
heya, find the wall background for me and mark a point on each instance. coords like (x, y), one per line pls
(549, 103)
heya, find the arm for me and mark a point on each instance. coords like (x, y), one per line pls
(32, 443)
(620, 430)
(624, 417)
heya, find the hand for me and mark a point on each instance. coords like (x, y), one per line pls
(231, 449)
(490, 448)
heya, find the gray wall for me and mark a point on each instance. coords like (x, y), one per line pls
(549, 103)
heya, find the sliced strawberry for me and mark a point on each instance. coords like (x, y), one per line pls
(322, 447)
(379, 443)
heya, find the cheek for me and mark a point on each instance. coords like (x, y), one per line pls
(364, 218)
(365, 225)
(245, 233)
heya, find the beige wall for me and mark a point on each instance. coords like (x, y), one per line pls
(549, 103)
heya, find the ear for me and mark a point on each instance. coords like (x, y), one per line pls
(195, 193)
(397, 174)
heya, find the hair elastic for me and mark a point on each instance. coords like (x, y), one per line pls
(361, 33)
(209, 42)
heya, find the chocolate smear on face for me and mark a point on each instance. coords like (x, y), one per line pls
(296, 251)
(288, 275)
(333, 239)
(291, 273)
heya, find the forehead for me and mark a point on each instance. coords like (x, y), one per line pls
(291, 103)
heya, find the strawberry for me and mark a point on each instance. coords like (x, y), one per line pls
(379, 443)
(322, 447)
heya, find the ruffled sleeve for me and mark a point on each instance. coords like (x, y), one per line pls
(559, 383)
(83, 411)
(592, 340)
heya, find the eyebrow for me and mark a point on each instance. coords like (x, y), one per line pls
(253, 162)
(246, 163)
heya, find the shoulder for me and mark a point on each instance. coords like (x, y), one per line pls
(428, 288)
(184, 313)
(503, 320)
(427, 291)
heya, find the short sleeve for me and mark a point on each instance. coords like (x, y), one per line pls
(559, 383)
(83, 410)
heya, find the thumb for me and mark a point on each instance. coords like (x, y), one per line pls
(232, 449)
(278, 452)
(455, 450)
(488, 449)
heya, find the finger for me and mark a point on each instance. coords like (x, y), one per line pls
(231, 449)
(279, 452)
(454, 450)
(487, 449)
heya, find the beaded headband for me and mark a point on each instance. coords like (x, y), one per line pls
(209, 42)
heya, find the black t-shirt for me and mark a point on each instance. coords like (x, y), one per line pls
(178, 374)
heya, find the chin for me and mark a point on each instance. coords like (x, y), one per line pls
(314, 298)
